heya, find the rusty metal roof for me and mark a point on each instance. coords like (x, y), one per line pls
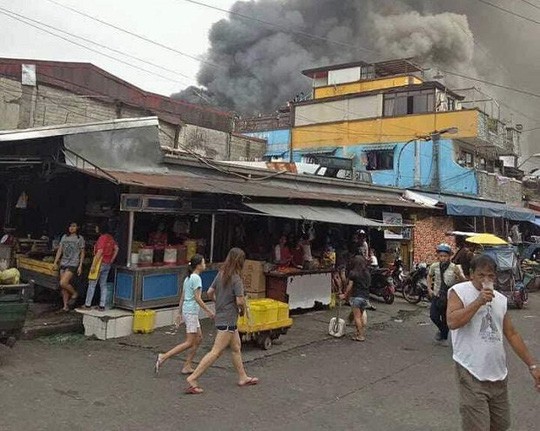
(382, 68)
(89, 80)
(190, 181)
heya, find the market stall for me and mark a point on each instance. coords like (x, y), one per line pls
(163, 235)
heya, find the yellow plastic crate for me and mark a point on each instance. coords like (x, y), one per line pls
(144, 321)
(261, 312)
(283, 310)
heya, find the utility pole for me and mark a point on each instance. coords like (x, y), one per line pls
(436, 179)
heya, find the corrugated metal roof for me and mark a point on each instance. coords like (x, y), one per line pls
(73, 129)
(89, 80)
(189, 181)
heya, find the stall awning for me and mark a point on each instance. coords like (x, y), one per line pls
(316, 213)
(461, 206)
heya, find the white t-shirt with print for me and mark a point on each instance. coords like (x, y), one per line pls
(478, 346)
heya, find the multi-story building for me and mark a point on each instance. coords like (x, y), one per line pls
(401, 130)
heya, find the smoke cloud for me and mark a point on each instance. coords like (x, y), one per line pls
(253, 68)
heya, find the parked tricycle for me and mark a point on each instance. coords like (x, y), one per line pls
(14, 300)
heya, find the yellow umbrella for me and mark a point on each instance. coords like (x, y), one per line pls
(486, 239)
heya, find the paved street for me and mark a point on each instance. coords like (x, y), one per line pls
(398, 380)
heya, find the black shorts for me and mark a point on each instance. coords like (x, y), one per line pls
(72, 269)
(228, 328)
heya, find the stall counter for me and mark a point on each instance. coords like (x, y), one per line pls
(141, 287)
(300, 289)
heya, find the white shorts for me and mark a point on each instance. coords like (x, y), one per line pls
(192, 323)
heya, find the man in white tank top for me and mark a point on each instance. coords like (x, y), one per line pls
(477, 317)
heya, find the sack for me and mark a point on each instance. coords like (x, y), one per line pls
(95, 268)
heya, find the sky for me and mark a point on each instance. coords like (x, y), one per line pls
(176, 23)
(511, 41)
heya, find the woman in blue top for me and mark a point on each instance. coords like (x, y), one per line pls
(189, 307)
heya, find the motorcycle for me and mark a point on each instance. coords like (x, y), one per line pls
(398, 274)
(382, 284)
(415, 286)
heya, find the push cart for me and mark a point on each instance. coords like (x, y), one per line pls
(14, 300)
(265, 321)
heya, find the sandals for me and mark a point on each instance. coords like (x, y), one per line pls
(158, 364)
(193, 390)
(252, 381)
(358, 338)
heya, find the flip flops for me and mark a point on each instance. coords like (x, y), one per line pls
(193, 390)
(252, 381)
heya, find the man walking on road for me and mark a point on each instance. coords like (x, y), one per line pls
(441, 276)
(478, 320)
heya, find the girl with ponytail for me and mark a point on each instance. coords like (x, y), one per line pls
(189, 308)
(227, 291)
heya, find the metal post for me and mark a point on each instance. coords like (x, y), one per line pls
(417, 173)
(131, 224)
(436, 180)
(212, 238)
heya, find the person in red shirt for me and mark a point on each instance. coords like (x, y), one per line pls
(105, 250)
(282, 252)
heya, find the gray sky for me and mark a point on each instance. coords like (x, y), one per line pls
(176, 23)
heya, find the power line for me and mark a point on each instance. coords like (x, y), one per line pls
(8, 14)
(531, 4)
(99, 44)
(282, 28)
(506, 87)
(508, 11)
(131, 33)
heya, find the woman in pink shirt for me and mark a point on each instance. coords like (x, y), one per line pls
(106, 249)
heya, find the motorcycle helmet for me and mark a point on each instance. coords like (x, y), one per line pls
(444, 248)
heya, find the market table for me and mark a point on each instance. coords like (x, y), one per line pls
(300, 289)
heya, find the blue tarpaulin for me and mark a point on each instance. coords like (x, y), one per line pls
(536, 221)
(461, 206)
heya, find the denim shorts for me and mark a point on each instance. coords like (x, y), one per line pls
(357, 302)
(228, 328)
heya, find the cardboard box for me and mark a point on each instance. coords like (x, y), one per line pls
(253, 277)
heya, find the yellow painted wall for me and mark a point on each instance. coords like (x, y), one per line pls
(363, 86)
(382, 130)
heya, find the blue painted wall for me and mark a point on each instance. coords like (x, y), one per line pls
(453, 177)
(278, 141)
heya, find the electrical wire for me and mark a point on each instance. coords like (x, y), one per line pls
(506, 87)
(131, 33)
(508, 11)
(531, 4)
(157, 66)
(280, 27)
(8, 14)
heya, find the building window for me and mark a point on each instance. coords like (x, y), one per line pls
(466, 159)
(379, 160)
(410, 102)
(451, 104)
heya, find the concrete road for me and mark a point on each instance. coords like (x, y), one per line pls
(398, 380)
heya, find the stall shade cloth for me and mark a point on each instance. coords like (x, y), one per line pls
(313, 213)
(458, 206)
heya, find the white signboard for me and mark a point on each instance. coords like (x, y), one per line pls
(395, 219)
(28, 74)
